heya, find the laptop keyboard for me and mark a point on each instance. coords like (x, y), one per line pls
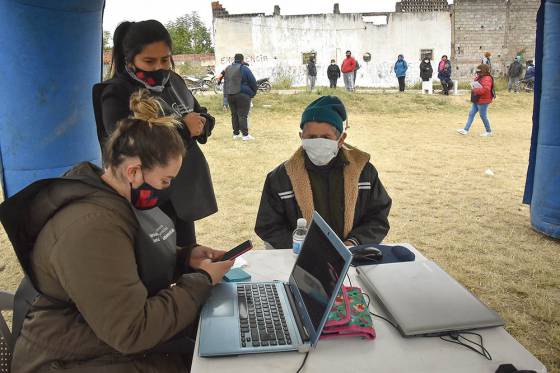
(261, 318)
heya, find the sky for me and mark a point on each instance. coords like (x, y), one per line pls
(117, 11)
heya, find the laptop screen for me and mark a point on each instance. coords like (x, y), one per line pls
(316, 272)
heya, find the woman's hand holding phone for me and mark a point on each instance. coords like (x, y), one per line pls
(200, 253)
(216, 270)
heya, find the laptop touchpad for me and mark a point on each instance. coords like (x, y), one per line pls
(222, 301)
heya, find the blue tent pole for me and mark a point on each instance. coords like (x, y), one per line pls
(50, 56)
(545, 196)
(528, 195)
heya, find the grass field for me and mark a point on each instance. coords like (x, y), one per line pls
(472, 224)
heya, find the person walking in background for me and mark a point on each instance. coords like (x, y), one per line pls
(486, 60)
(240, 86)
(348, 67)
(400, 71)
(426, 70)
(333, 73)
(444, 74)
(311, 73)
(514, 74)
(482, 94)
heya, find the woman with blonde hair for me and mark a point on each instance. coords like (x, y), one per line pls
(106, 287)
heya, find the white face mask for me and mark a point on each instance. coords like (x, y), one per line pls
(320, 151)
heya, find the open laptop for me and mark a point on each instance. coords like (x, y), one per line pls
(422, 299)
(246, 318)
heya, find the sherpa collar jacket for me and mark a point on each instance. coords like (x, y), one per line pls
(287, 196)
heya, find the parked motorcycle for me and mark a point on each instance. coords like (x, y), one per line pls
(264, 85)
(526, 85)
(206, 83)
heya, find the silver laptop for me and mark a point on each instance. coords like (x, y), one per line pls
(422, 299)
(247, 318)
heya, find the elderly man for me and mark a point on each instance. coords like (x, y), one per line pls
(326, 175)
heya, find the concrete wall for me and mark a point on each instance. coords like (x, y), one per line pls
(502, 27)
(273, 45)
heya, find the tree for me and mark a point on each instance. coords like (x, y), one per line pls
(106, 40)
(190, 35)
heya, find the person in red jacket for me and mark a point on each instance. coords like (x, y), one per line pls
(482, 94)
(348, 67)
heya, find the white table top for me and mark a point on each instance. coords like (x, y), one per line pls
(388, 352)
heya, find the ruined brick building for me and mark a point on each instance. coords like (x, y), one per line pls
(278, 46)
(506, 28)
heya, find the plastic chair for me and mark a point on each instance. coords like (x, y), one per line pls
(428, 87)
(6, 340)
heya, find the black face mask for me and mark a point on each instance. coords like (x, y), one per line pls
(147, 197)
(152, 80)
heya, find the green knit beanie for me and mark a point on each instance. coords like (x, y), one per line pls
(328, 109)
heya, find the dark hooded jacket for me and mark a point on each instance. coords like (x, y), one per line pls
(426, 71)
(77, 241)
(192, 194)
(287, 195)
(515, 69)
(311, 68)
(333, 72)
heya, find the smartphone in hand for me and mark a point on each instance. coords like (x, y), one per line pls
(238, 250)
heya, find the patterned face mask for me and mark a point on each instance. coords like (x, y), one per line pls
(152, 80)
(147, 197)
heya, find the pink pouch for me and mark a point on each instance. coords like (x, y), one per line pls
(349, 316)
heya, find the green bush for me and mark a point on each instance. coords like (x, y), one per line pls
(284, 82)
(282, 78)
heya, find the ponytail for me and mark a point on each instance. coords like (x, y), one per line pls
(118, 61)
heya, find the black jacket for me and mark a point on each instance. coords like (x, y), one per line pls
(426, 71)
(311, 68)
(515, 69)
(192, 194)
(333, 72)
(287, 196)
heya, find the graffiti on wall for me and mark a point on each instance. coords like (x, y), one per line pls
(251, 59)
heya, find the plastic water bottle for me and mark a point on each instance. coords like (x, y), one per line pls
(299, 235)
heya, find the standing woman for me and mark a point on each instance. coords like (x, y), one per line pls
(400, 71)
(142, 59)
(482, 95)
(426, 70)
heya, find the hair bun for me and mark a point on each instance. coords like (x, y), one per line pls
(147, 108)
